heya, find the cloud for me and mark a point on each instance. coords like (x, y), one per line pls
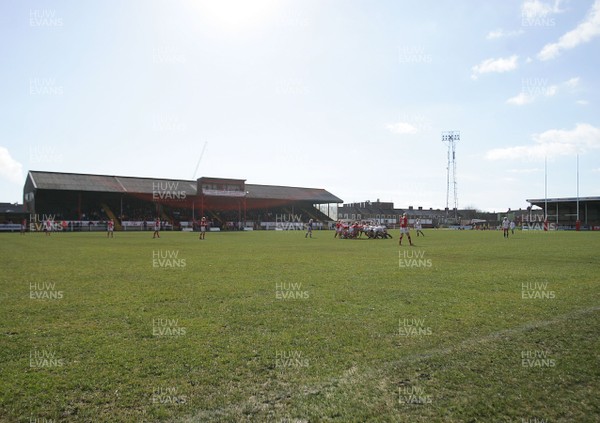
(552, 143)
(572, 83)
(520, 99)
(551, 91)
(500, 33)
(402, 128)
(520, 171)
(537, 8)
(10, 168)
(583, 102)
(532, 88)
(495, 65)
(583, 33)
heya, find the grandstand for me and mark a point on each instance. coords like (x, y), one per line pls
(11, 216)
(562, 212)
(133, 202)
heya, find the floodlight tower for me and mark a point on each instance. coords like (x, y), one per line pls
(451, 138)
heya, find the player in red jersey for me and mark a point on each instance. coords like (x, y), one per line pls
(404, 229)
(156, 229)
(203, 224)
(48, 226)
(338, 229)
(110, 229)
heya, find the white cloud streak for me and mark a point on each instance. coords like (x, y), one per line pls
(402, 128)
(535, 87)
(524, 171)
(537, 8)
(520, 99)
(495, 65)
(572, 83)
(552, 143)
(500, 33)
(583, 33)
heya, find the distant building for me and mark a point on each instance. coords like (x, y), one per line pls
(385, 213)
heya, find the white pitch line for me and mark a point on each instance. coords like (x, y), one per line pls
(350, 376)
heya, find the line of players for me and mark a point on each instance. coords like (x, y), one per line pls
(342, 230)
(203, 225)
(48, 228)
(355, 230)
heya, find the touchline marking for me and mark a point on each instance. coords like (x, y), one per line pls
(352, 376)
(468, 343)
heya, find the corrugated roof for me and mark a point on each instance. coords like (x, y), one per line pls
(563, 200)
(132, 185)
(315, 195)
(8, 208)
(74, 182)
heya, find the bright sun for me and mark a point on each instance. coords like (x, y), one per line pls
(237, 15)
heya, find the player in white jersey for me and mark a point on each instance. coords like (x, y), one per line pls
(309, 228)
(419, 227)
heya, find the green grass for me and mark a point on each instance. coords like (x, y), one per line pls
(333, 354)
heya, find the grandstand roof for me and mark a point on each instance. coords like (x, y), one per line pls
(315, 195)
(537, 202)
(127, 184)
(7, 208)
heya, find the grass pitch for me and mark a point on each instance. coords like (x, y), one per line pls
(270, 326)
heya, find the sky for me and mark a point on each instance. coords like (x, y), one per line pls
(346, 95)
